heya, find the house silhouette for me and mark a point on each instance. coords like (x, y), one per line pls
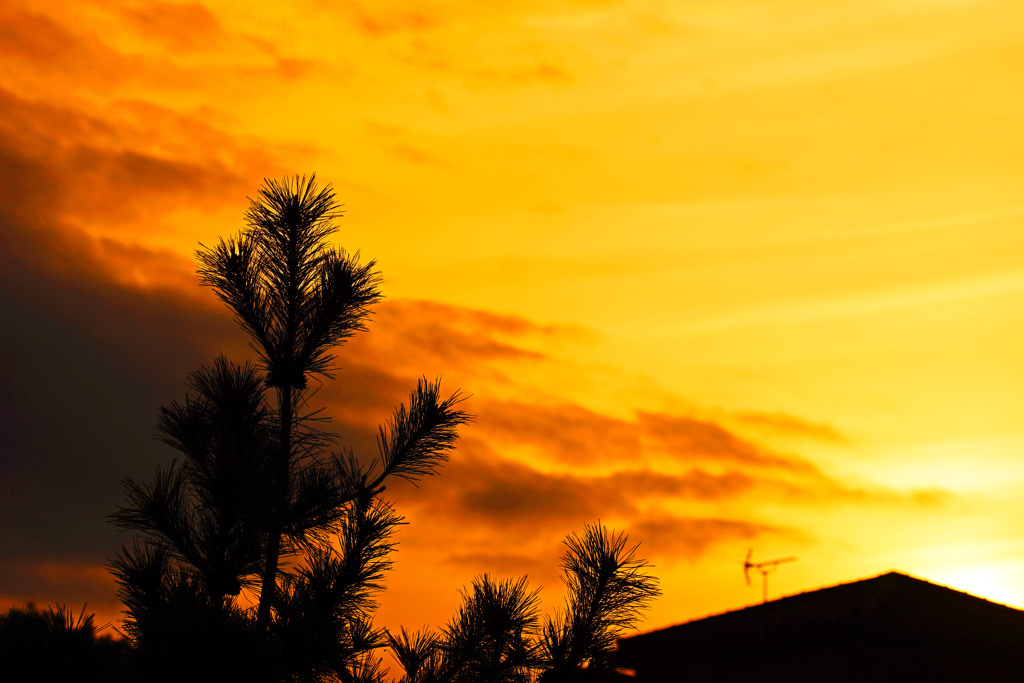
(892, 627)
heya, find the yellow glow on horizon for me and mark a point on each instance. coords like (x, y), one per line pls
(998, 581)
(966, 465)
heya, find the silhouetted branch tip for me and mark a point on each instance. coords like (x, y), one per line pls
(419, 439)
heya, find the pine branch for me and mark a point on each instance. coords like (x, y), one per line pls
(319, 494)
(419, 655)
(336, 307)
(607, 591)
(418, 440)
(324, 610)
(161, 511)
(139, 572)
(490, 637)
(233, 269)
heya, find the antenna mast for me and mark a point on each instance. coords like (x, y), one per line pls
(764, 568)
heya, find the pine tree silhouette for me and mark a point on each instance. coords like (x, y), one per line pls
(257, 500)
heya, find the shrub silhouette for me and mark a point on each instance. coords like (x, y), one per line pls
(257, 501)
(55, 645)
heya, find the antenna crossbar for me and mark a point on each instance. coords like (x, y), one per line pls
(764, 568)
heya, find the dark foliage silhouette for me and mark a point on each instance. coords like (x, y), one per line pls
(257, 501)
(296, 297)
(607, 589)
(496, 636)
(490, 637)
(55, 645)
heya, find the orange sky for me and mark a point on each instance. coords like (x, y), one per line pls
(723, 274)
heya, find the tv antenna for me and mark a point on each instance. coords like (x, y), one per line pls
(766, 568)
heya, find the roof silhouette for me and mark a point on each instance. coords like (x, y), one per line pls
(888, 603)
(893, 611)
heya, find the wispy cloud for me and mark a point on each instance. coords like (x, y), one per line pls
(789, 425)
(188, 26)
(680, 538)
(686, 437)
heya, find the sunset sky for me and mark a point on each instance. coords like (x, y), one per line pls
(723, 274)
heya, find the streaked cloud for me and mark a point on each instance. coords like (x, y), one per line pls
(676, 538)
(187, 26)
(790, 425)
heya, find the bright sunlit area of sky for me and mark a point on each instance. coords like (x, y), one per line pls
(723, 274)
